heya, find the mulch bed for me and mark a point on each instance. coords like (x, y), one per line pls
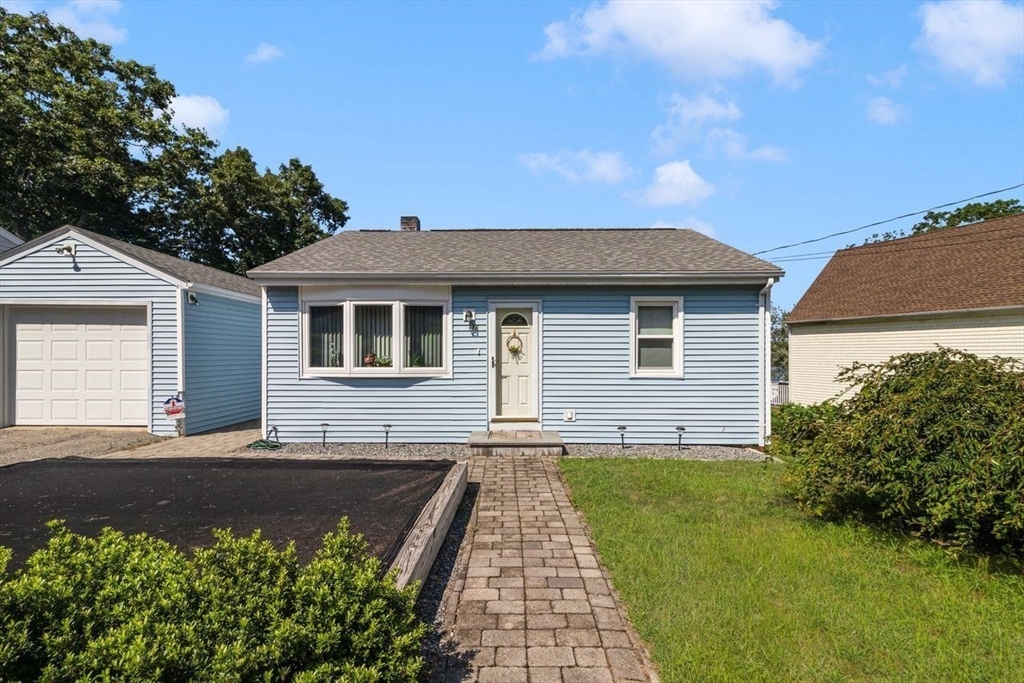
(182, 500)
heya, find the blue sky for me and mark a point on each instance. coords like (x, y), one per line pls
(759, 123)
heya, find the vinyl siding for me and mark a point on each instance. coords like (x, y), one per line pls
(817, 351)
(222, 362)
(42, 276)
(584, 366)
(586, 351)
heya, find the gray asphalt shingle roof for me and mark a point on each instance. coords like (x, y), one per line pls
(170, 265)
(606, 251)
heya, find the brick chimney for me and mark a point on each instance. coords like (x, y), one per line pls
(410, 224)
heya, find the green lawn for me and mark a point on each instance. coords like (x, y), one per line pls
(726, 580)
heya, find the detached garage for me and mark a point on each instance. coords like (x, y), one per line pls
(98, 332)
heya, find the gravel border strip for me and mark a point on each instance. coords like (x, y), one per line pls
(450, 451)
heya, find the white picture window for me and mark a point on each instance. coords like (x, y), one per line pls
(379, 338)
(656, 344)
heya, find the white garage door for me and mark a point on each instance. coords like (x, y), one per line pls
(81, 366)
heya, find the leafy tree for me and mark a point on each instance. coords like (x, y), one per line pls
(246, 218)
(88, 140)
(780, 345)
(85, 138)
(965, 215)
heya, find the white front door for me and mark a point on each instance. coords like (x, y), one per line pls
(516, 367)
(81, 366)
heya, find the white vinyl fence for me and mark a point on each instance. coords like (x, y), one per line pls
(780, 393)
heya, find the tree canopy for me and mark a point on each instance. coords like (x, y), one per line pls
(88, 139)
(965, 215)
(780, 345)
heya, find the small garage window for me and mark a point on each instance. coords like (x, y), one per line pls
(656, 344)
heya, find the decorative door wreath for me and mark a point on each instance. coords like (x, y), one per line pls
(514, 343)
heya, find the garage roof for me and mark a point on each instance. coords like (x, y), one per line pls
(173, 266)
(955, 269)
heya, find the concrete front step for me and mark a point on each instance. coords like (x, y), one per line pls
(515, 442)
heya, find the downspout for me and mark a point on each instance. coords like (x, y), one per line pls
(764, 391)
(179, 425)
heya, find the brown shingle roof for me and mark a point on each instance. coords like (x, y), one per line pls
(170, 265)
(964, 268)
(518, 252)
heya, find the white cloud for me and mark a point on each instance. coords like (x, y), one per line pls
(89, 19)
(883, 111)
(688, 121)
(890, 79)
(199, 111)
(676, 183)
(736, 145)
(979, 40)
(688, 224)
(696, 40)
(264, 52)
(580, 166)
(687, 118)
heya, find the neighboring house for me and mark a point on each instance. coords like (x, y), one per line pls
(441, 333)
(8, 240)
(959, 287)
(94, 331)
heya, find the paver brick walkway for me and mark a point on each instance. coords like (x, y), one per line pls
(535, 605)
(223, 441)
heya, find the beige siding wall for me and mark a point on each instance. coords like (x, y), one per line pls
(818, 350)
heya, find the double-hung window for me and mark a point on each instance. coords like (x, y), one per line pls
(656, 337)
(376, 338)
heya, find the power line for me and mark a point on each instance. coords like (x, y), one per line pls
(888, 220)
(888, 247)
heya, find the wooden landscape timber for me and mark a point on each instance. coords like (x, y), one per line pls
(424, 540)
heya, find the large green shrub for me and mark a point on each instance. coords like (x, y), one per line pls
(135, 608)
(795, 427)
(932, 443)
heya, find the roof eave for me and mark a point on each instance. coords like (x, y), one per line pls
(589, 278)
(914, 314)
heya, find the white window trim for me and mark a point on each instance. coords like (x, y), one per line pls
(350, 368)
(676, 371)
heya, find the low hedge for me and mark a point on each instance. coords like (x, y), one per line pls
(136, 608)
(932, 443)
